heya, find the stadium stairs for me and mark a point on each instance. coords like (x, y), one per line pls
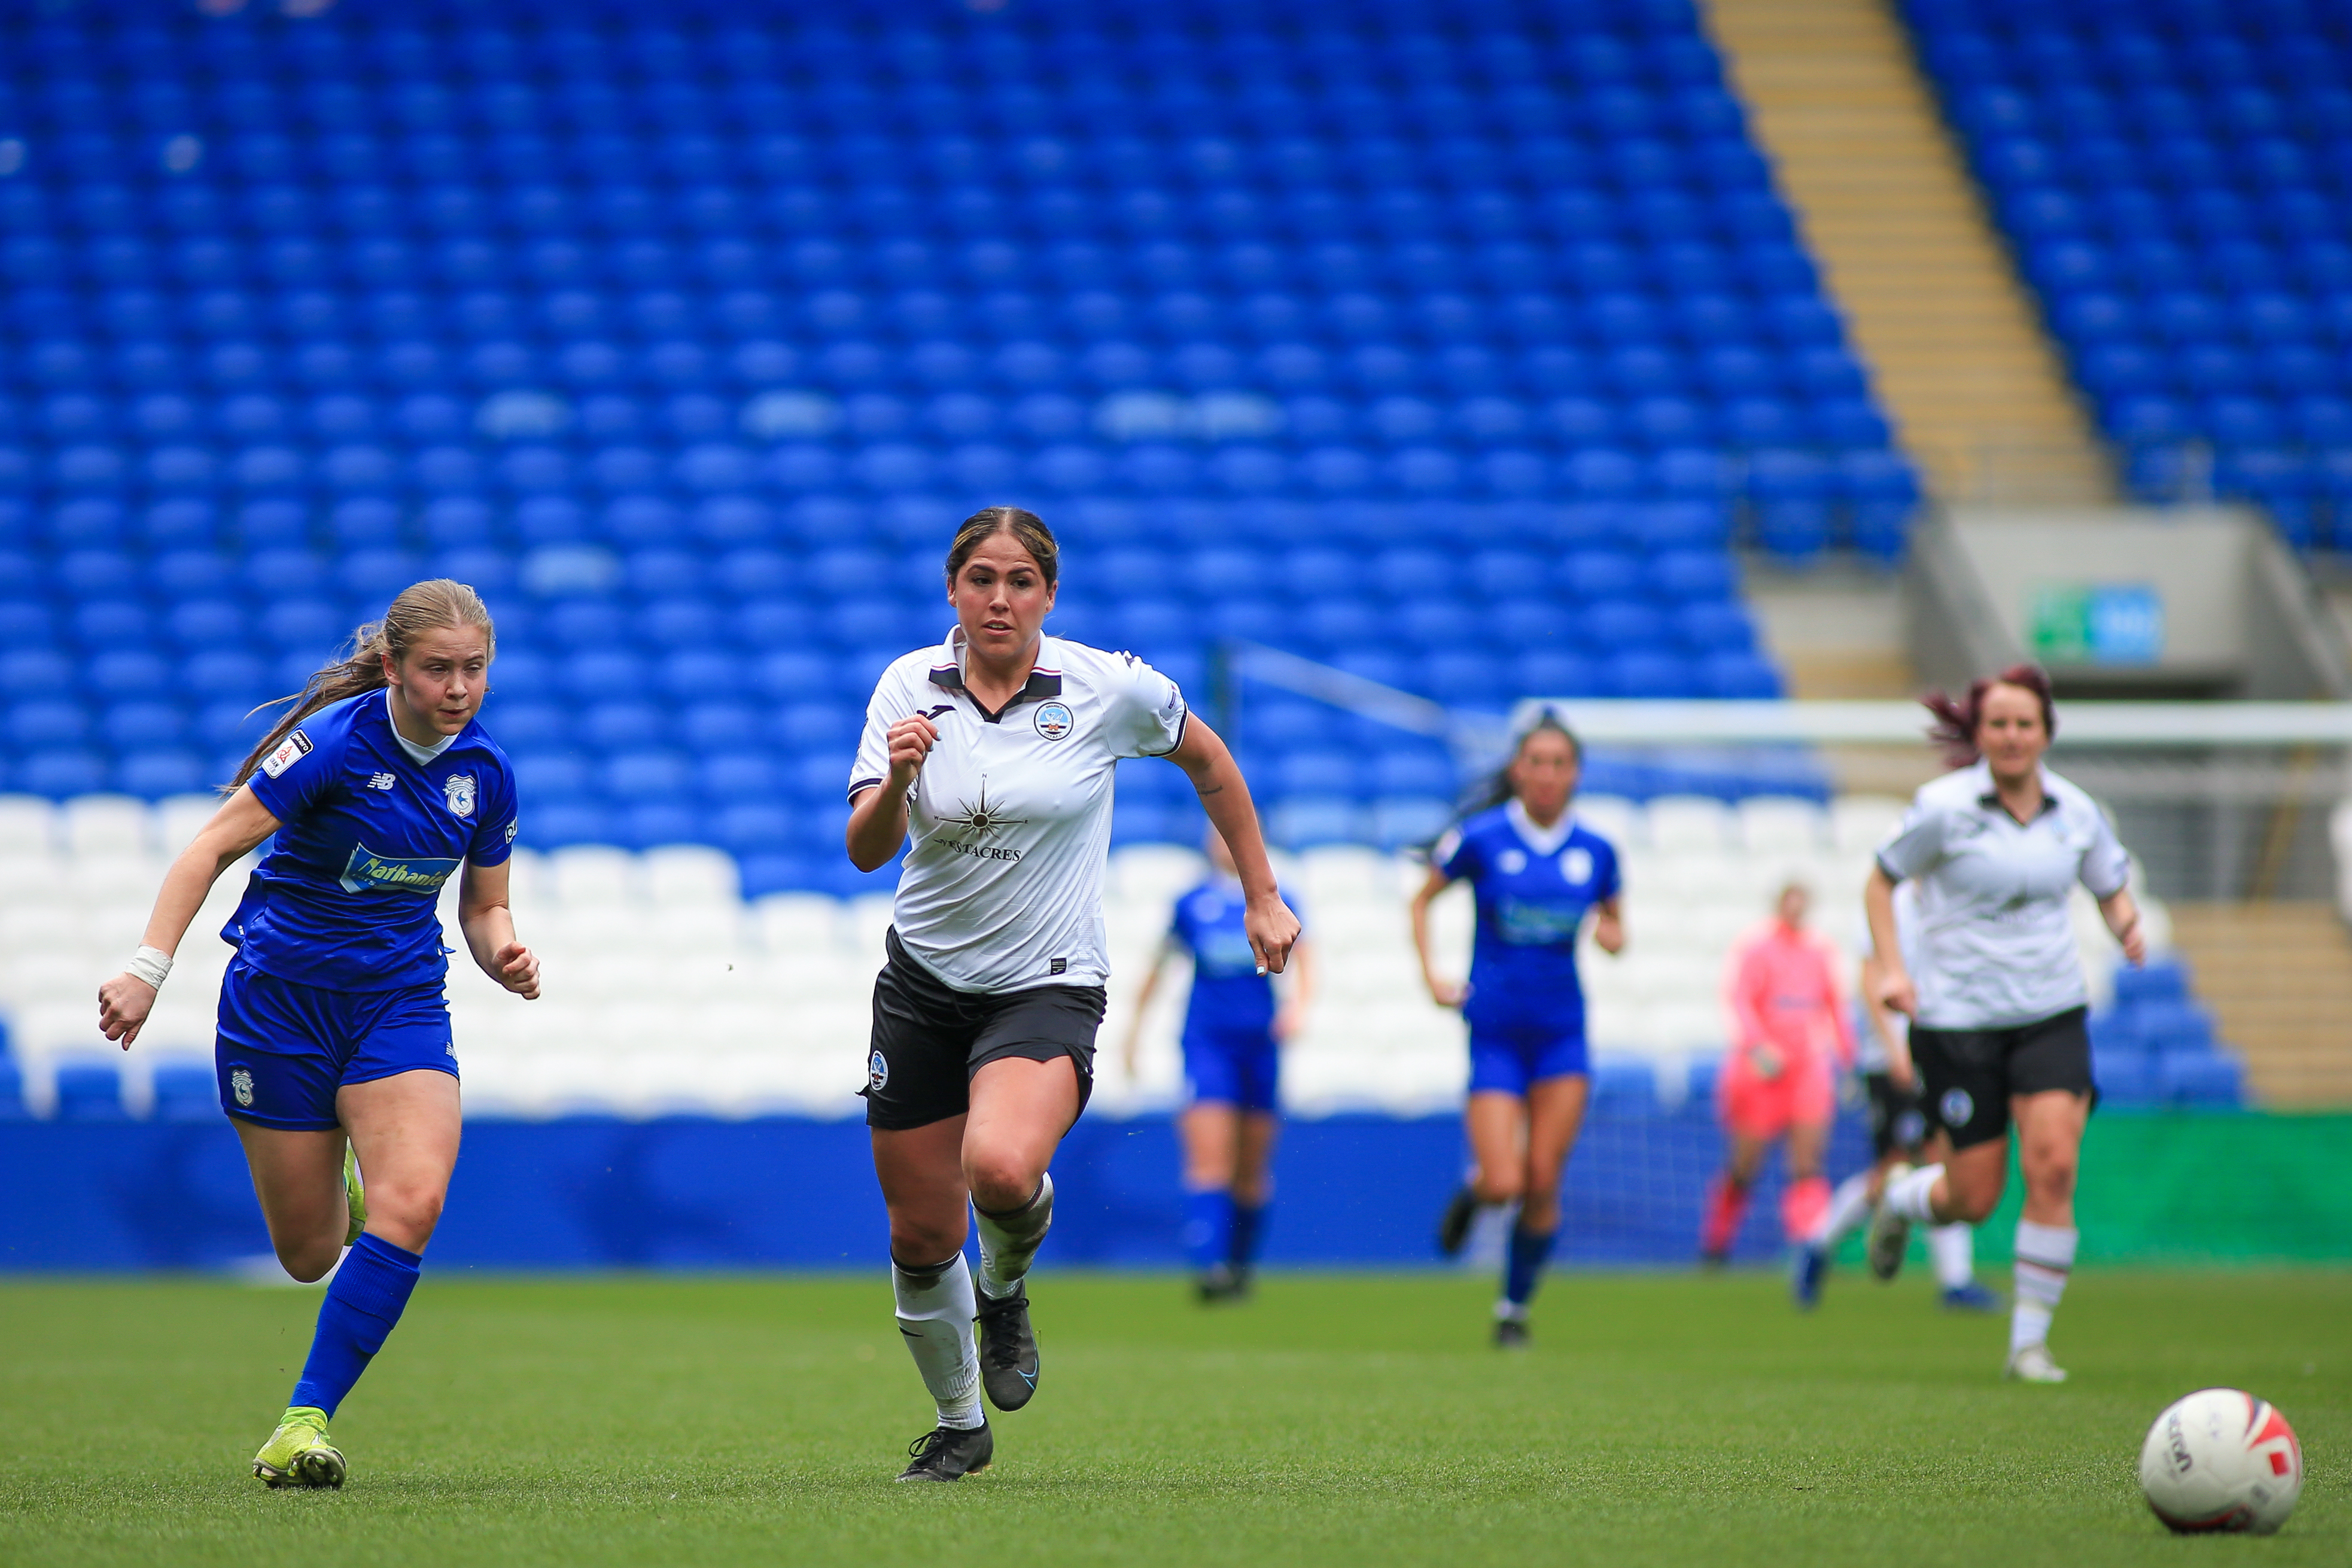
(1885, 202)
(2279, 978)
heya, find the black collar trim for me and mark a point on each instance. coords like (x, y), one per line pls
(1041, 685)
(1990, 801)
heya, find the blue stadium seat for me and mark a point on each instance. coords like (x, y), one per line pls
(90, 1092)
(186, 1091)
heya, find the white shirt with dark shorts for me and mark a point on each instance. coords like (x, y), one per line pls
(2001, 994)
(997, 945)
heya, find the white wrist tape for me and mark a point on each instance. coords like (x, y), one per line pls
(151, 965)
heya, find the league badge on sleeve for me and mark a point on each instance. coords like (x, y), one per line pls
(291, 750)
(458, 790)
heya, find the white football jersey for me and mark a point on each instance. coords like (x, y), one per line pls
(1996, 940)
(1010, 817)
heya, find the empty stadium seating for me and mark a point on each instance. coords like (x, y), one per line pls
(667, 990)
(2174, 174)
(1449, 348)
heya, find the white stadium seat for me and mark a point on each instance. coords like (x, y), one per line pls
(28, 826)
(108, 825)
(665, 992)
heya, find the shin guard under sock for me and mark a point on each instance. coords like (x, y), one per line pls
(1524, 1265)
(1249, 1233)
(935, 1312)
(363, 1301)
(2045, 1256)
(1954, 1248)
(1913, 1196)
(1009, 1241)
(1209, 1228)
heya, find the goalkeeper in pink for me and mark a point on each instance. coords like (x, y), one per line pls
(1791, 1034)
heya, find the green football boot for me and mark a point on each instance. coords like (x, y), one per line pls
(354, 1195)
(297, 1454)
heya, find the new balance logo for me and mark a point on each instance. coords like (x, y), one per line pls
(380, 781)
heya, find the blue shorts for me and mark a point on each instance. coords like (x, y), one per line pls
(284, 1049)
(1508, 1060)
(1232, 1067)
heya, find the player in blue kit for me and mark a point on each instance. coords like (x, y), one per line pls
(1539, 874)
(334, 1052)
(1234, 1026)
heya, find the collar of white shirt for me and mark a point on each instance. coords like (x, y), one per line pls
(1990, 798)
(1543, 841)
(420, 755)
(1044, 673)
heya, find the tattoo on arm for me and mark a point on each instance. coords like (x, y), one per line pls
(1212, 790)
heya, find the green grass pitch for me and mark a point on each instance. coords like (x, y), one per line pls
(1343, 1420)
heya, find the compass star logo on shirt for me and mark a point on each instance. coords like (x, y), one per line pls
(977, 822)
(983, 819)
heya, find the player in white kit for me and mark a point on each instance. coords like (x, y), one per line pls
(1898, 1135)
(992, 754)
(1997, 998)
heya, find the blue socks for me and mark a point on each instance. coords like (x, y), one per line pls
(1249, 1232)
(1209, 1219)
(363, 1304)
(1528, 1251)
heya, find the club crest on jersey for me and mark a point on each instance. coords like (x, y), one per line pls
(1577, 865)
(1055, 721)
(291, 750)
(877, 1074)
(368, 872)
(240, 1083)
(458, 790)
(1957, 1106)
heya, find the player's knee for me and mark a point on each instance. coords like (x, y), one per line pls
(404, 1214)
(920, 1242)
(1970, 1202)
(2052, 1176)
(1000, 1178)
(1501, 1187)
(310, 1261)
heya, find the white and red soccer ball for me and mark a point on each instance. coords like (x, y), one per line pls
(2221, 1460)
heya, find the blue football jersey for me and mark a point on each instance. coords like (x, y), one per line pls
(1228, 993)
(1533, 892)
(346, 896)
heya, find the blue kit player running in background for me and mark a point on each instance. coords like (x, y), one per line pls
(1234, 1026)
(1538, 873)
(334, 1036)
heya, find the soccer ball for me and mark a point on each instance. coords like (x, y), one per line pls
(2221, 1460)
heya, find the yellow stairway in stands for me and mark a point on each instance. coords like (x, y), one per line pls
(1887, 206)
(2279, 979)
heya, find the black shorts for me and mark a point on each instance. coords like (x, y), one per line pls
(1898, 1123)
(930, 1039)
(1967, 1075)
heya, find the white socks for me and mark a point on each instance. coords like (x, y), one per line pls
(1009, 1243)
(1908, 1196)
(2045, 1255)
(1954, 1248)
(935, 1312)
(1849, 1207)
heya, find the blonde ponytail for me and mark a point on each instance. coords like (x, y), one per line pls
(420, 607)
